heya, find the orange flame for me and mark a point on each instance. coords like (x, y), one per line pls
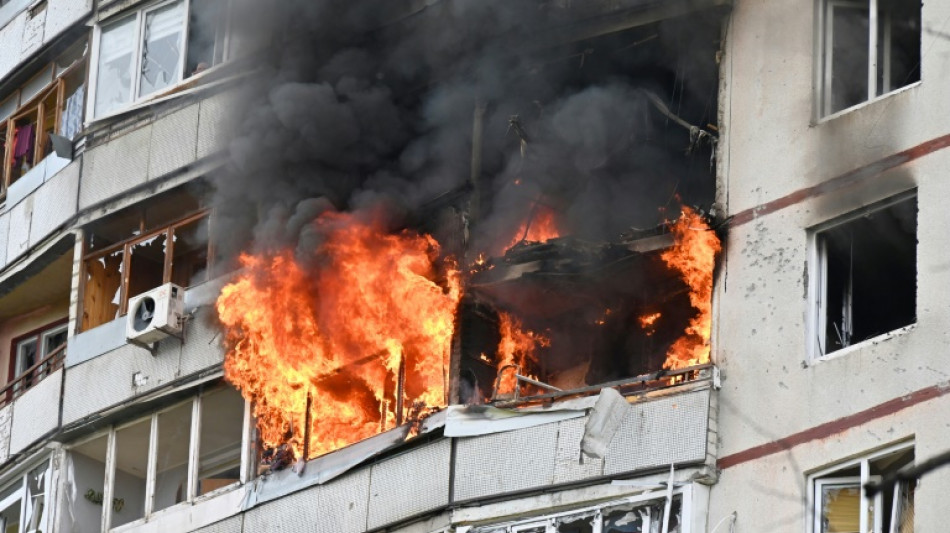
(648, 322)
(693, 255)
(340, 332)
(541, 226)
(517, 347)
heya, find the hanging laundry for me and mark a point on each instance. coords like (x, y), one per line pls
(23, 143)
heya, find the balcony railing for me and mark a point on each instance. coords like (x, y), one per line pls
(33, 375)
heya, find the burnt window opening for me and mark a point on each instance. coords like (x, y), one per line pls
(869, 48)
(142, 247)
(867, 275)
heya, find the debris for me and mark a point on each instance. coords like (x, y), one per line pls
(604, 421)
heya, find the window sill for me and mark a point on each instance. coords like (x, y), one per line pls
(899, 332)
(864, 104)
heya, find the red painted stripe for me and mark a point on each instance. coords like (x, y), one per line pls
(835, 426)
(847, 179)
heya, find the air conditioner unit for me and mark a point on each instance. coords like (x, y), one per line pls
(155, 314)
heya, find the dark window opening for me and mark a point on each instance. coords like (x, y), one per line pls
(868, 275)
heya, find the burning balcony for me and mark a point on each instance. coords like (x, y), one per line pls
(471, 233)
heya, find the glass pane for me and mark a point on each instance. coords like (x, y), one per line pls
(101, 290)
(898, 44)
(190, 261)
(54, 339)
(89, 469)
(849, 56)
(131, 465)
(24, 143)
(171, 474)
(840, 508)
(206, 31)
(26, 356)
(10, 517)
(48, 127)
(114, 77)
(37, 486)
(219, 455)
(36, 84)
(70, 120)
(8, 106)
(146, 264)
(161, 49)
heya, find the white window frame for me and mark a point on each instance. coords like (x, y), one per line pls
(825, 48)
(825, 477)
(21, 477)
(194, 447)
(139, 13)
(817, 305)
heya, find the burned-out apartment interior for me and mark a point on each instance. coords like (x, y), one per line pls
(425, 266)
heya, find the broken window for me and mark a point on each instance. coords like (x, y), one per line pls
(147, 51)
(23, 502)
(169, 457)
(645, 515)
(866, 274)
(36, 355)
(46, 105)
(139, 249)
(842, 505)
(869, 48)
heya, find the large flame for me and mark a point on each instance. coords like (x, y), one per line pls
(376, 307)
(693, 255)
(517, 352)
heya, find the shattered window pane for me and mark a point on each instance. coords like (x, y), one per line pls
(161, 48)
(146, 264)
(190, 261)
(114, 76)
(623, 521)
(576, 525)
(206, 35)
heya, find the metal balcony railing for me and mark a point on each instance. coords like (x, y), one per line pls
(33, 375)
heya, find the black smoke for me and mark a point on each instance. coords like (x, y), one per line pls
(368, 106)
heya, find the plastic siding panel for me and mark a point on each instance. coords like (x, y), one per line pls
(425, 470)
(10, 37)
(112, 373)
(568, 466)
(660, 432)
(115, 167)
(33, 32)
(203, 346)
(235, 524)
(61, 14)
(4, 234)
(18, 238)
(58, 200)
(36, 412)
(505, 462)
(336, 507)
(212, 124)
(174, 141)
(6, 426)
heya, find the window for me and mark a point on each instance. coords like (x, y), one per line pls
(864, 269)
(868, 48)
(50, 103)
(23, 501)
(169, 457)
(640, 514)
(840, 504)
(34, 356)
(149, 50)
(137, 250)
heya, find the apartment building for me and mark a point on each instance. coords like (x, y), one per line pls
(546, 147)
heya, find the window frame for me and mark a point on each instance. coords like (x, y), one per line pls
(139, 13)
(823, 57)
(21, 478)
(825, 476)
(194, 445)
(15, 372)
(35, 103)
(817, 275)
(125, 247)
